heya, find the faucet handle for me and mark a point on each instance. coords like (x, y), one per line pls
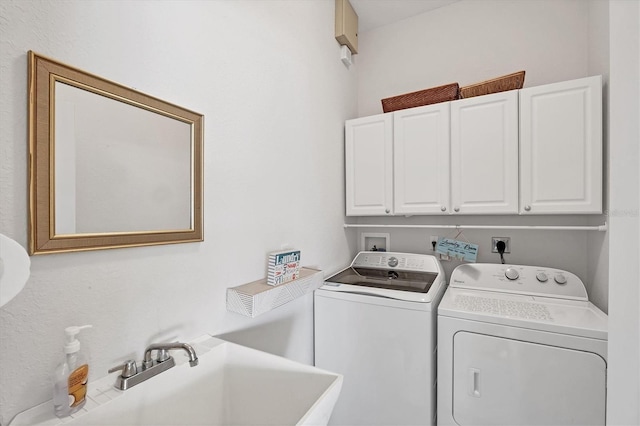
(163, 355)
(129, 368)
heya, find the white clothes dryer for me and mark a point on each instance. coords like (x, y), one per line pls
(520, 345)
(375, 323)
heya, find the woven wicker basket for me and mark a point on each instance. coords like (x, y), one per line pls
(434, 95)
(500, 84)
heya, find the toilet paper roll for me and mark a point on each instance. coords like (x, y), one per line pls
(14, 269)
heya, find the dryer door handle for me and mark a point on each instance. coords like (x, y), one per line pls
(474, 382)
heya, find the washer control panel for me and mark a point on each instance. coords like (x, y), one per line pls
(519, 279)
(397, 261)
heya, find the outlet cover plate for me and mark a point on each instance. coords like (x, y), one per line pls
(507, 244)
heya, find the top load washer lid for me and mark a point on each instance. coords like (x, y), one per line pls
(390, 279)
(400, 276)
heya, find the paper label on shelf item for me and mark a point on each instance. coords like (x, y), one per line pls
(78, 385)
(461, 250)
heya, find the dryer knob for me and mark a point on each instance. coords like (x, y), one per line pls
(560, 279)
(393, 262)
(542, 277)
(512, 274)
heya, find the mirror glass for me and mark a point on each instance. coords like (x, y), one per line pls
(140, 161)
(110, 166)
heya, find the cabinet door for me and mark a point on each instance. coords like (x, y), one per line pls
(368, 165)
(561, 147)
(484, 154)
(421, 160)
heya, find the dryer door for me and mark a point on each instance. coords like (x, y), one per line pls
(499, 381)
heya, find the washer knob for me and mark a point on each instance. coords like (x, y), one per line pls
(393, 262)
(512, 274)
(560, 279)
(542, 277)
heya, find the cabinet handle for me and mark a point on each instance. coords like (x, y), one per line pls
(456, 209)
(443, 208)
(527, 208)
(387, 211)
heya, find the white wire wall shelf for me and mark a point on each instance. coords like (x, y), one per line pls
(600, 228)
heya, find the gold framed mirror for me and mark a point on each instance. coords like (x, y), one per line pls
(109, 166)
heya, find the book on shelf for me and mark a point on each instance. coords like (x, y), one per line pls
(283, 266)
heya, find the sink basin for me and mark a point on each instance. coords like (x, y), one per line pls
(232, 385)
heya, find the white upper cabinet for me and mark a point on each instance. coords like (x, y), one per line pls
(369, 166)
(421, 160)
(533, 151)
(484, 154)
(561, 147)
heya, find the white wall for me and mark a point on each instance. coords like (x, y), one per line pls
(268, 78)
(470, 41)
(556, 249)
(623, 377)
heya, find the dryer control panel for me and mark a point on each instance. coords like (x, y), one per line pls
(519, 279)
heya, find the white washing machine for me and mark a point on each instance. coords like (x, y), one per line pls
(520, 345)
(375, 323)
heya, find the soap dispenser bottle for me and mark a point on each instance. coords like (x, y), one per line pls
(70, 376)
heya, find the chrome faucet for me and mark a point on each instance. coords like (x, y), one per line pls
(163, 353)
(131, 375)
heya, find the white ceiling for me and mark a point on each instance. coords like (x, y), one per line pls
(376, 13)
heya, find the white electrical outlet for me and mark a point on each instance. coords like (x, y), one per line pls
(507, 244)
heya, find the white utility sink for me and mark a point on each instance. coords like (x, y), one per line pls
(232, 385)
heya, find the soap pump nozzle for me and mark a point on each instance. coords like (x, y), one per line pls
(72, 345)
